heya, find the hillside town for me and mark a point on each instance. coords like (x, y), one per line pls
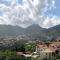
(48, 51)
(45, 50)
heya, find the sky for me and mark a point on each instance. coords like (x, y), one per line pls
(45, 13)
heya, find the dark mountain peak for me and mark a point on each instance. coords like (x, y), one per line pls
(54, 31)
(57, 27)
(34, 25)
(10, 30)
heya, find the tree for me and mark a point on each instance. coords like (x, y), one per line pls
(30, 47)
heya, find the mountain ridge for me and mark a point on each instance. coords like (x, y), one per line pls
(33, 31)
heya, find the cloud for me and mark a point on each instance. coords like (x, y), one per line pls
(51, 21)
(26, 13)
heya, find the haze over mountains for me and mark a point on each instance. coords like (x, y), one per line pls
(33, 32)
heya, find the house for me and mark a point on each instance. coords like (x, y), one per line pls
(55, 46)
(48, 52)
(44, 51)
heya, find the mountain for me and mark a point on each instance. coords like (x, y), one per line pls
(33, 32)
(53, 31)
(9, 30)
(34, 29)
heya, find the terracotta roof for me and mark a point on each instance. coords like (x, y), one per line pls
(52, 47)
(55, 45)
(48, 50)
(41, 46)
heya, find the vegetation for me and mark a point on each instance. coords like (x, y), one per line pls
(30, 47)
(58, 57)
(9, 55)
